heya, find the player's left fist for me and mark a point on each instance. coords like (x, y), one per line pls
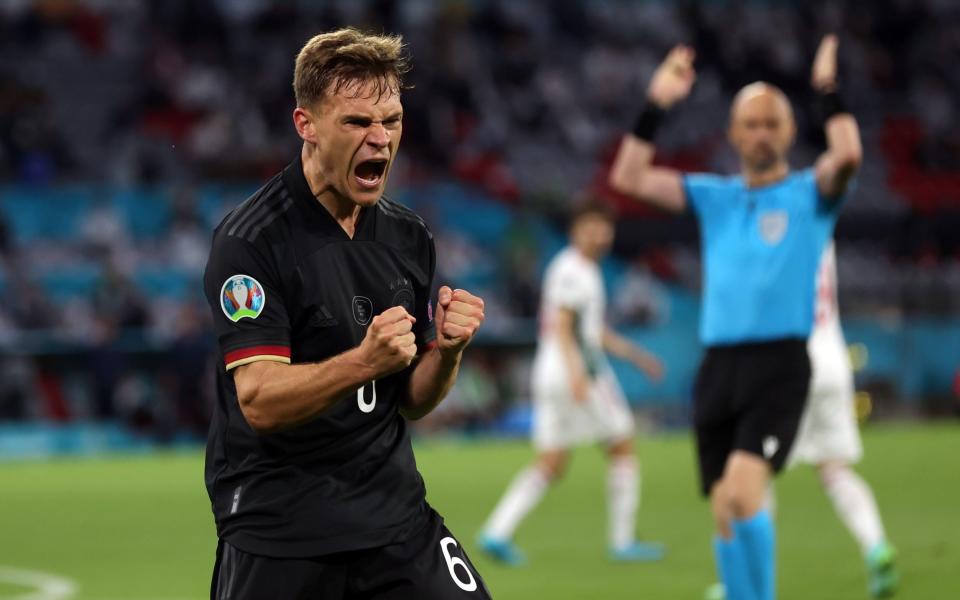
(459, 315)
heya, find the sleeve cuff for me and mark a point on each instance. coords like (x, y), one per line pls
(245, 356)
(428, 341)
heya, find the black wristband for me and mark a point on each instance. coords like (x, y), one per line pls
(831, 103)
(648, 121)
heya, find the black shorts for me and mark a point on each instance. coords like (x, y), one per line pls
(749, 397)
(431, 565)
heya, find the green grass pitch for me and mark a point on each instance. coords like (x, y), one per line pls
(139, 527)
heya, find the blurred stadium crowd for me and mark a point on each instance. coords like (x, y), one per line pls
(128, 129)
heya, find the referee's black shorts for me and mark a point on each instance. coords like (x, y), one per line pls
(431, 565)
(749, 397)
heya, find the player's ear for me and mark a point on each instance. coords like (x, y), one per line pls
(303, 121)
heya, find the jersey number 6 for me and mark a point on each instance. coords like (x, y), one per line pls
(367, 407)
(470, 585)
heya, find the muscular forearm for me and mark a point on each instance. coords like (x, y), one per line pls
(840, 162)
(275, 396)
(632, 162)
(430, 382)
(843, 141)
(458, 316)
(837, 166)
(633, 174)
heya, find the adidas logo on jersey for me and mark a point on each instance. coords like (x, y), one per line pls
(323, 318)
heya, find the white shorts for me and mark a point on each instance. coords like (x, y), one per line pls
(560, 422)
(828, 429)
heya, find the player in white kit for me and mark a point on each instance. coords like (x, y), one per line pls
(576, 397)
(829, 439)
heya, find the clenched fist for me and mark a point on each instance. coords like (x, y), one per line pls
(672, 80)
(390, 344)
(459, 315)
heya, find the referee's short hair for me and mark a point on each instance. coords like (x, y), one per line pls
(341, 59)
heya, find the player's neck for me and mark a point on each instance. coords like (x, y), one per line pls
(343, 210)
(584, 254)
(759, 178)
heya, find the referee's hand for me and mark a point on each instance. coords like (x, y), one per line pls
(672, 80)
(823, 76)
(459, 315)
(390, 344)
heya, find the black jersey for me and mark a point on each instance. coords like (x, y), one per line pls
(286, 283)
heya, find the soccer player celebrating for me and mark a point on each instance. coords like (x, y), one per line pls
(576, 397)
(319, 288)
(762, 233)
(830, 441)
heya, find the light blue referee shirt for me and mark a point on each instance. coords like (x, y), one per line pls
(761, 247)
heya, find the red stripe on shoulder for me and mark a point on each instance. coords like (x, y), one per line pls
(232, 357)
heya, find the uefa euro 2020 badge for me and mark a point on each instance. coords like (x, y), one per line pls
(242, 296)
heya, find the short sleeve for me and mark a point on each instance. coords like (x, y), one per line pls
(424, 328)
(701, 191)
(566, 289)
(243, 289)
(825, 205)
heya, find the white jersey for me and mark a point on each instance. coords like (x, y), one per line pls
(826, 312)
(828, 430)
(572, 282)
(827, 348)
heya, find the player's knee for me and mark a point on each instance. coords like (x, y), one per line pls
(556, 472)
(621, 448)
(741, 502)
(553, 467)
(830, 472)
(720, 507)
(736, 501)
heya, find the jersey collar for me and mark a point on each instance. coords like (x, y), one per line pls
(318, 216)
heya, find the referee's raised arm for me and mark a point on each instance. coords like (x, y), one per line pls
(841, 161)
(633, 172)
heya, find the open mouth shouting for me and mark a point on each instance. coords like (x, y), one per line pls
(369, 173)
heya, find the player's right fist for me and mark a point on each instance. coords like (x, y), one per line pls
(672, 80)
(390, 344)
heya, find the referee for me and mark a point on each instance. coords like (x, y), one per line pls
(763, 232)
(320, 292)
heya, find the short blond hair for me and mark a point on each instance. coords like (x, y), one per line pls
(330, 61)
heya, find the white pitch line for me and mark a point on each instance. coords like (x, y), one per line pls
(45, 586)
